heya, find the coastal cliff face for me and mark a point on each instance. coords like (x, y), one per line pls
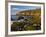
(31, 20)
(30, 12)
(36, 14)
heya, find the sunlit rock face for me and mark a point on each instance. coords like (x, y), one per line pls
(29, 12)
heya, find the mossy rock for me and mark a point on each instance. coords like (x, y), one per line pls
(30, 28)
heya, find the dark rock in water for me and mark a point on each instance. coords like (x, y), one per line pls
(20, 18)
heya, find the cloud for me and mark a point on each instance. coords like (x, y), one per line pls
(15, 8)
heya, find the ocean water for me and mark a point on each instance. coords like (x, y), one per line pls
(14, 17)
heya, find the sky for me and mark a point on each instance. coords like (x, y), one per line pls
(16, 8)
